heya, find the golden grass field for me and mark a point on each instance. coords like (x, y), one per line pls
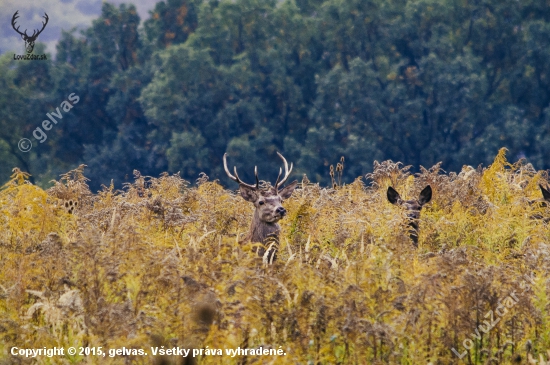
(158, 264)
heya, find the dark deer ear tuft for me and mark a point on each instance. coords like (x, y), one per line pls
(393, 196)
(425, 195)
(287, 191)
(545, 193)
(249, 194)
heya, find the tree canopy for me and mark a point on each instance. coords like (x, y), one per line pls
(417, 81)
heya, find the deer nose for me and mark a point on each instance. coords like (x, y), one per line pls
(281, 210)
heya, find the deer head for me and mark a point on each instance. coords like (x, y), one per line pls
(413, 208)
(541, 203)
(29, 40)
(545, 193)
(268, 203)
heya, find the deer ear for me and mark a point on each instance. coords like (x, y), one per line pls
(287, 191)
(425, 195)
(393, 196)
(545, 193)
(249, 194)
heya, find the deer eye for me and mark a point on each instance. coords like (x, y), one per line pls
(261, 202)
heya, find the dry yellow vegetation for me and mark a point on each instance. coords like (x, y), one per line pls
(158, 264)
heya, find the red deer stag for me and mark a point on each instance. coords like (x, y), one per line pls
(413, 208)
(264, 228)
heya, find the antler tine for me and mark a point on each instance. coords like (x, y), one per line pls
(14, 18)
(257, 179)
(227, 170)
(236, 177)
(278, 178)
(243, 183)
(287, 172)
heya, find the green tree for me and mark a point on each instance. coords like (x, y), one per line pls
(171, 22)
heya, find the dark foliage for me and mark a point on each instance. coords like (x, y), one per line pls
(415, 81)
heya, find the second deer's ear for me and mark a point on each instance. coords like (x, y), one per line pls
(545, 193)
(249, 194)
(393, 196)
(425, 195)
(287, 191)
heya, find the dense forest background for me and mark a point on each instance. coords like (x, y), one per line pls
(417, 81)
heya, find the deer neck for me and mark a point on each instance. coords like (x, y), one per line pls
(259, 229)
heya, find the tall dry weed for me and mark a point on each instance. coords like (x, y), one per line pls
(159, 263)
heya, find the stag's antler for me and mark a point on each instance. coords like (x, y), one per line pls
(278, 184)
(236, 177)
(13, 19)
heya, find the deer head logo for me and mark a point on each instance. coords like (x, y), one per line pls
(29, 40)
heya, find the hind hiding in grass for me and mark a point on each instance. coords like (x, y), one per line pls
(541, 203)
(545, 193)
(264, 228)
(413, 207)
